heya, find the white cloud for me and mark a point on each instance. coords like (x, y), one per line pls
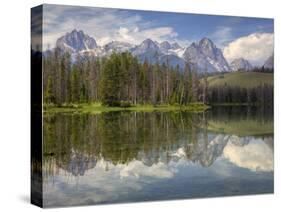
(256, 48)
(104, 25)
(135, 35)
(256, 155)
(137, 168)
(105, 182)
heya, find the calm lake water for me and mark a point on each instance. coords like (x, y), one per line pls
(140, 156)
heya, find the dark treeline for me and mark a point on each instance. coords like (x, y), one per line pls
(259, 95)
(262, 69)
(117, 79)
(242, 113)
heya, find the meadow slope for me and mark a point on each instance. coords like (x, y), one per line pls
(242, 79)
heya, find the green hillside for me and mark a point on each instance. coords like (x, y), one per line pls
(242, 79)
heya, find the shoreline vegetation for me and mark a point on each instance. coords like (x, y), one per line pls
(97, 108)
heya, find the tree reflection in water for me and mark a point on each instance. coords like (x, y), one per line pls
(76, 142)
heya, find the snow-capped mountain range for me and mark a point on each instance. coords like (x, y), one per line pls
(204, 55)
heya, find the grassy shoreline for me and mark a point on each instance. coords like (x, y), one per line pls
(97, 108)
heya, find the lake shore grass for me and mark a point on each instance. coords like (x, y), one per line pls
(97, 108)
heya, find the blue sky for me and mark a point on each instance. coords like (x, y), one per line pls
(134, 26)
(193, 26)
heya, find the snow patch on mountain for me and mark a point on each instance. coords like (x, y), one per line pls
(117, 46)
(206, 57)
(76, 41)
(240, 64)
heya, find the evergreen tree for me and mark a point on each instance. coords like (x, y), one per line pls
(48, 94)
(75, 85)
(110, 85)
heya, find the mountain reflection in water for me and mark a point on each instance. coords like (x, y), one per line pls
(138, 156)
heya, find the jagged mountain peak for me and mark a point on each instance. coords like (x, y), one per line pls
(209, 48)
(147, 47)
(75, 31)
(175, 45)
(165, 45)
(193, 45)
(118, 46)
(206, 56)
(240, 64)
(76, 41)
(168, 48)
(148, 44)
(206, 42)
